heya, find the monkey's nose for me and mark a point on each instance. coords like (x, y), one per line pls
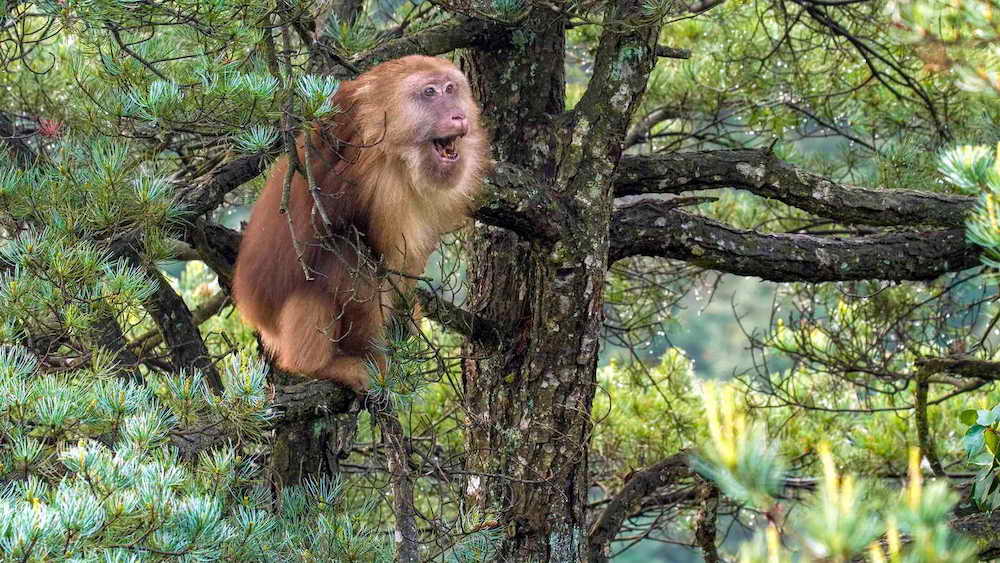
(462, 123)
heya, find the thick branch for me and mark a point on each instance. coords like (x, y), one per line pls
(301, 402)
(758, 171)
(665, 52)
(640, 485)
(515, 200)
(704, 521)
(175, 323)
(111, 337)
(457, 319)
(22, 154)
(173, 319)
(640, 131)
(965, 367)
(435, 40)
(217, 246)
(655, 228)
(310, 399)
(624, 57)
(209, 191)
(146, 342)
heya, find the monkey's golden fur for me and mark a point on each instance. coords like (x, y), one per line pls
(390, 185)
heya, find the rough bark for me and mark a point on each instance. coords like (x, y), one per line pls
(406, 536)
(705, 533)
(209, 191)
(217, 246)
(655, 228)
(514, 199)
(111, 337)
(302, 450)
(456, 319)
(760, 172)
(208, 309)
(180, 332)
(965, 367)
(923, 428)
(528, 399)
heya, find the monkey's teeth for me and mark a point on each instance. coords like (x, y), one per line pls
(445, 147)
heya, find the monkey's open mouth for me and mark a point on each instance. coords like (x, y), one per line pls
(445, 148)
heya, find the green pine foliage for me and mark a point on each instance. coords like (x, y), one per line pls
(842, 519)
(90, 473)
(137, 102)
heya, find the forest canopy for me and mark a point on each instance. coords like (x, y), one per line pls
(729, 291)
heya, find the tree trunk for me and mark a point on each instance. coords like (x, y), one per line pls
(528, 400)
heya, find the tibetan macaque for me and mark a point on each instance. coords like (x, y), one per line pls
(396, 167)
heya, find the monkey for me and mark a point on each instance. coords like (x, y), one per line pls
(398, 165)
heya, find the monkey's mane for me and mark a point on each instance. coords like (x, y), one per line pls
(367, 189)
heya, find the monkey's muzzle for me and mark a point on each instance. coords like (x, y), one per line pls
(446, 149)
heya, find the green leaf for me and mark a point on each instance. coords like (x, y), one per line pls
(973, 440)
(986, 417)
(968, 417)
(983, 458)
(984, 480)
(994, 499)
(991, 441)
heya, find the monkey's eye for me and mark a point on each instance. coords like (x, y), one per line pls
(449, 88)
(429, 91)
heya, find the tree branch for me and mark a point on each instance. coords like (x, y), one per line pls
(640, 485)
(22, 154)
(704, 521)
(640, 131)
(665, 52)
(965, 367)
(655, 228)
(623, 60)
(459, 320)
(758, 171)
(209, 191)
(439, 39)
(174, 320)
(208, 309)
(514, 200)
(406, 537)
(300, 402)
(217, 246)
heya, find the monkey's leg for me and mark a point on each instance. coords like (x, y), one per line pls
(351, 370)
(309, 340)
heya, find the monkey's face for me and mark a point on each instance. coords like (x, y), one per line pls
(441, 113)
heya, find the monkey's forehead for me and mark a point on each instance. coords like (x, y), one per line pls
(421, 77)
(418, 68)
